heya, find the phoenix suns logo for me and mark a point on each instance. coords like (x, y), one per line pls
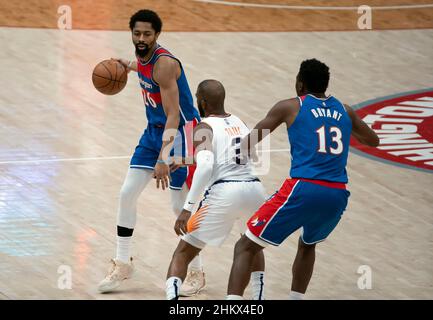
(404, 124)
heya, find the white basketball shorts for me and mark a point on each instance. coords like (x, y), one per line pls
(224, 202)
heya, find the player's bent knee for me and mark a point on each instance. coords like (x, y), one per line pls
(186, 250)
(305, 247)
(125, 195)
(128, 193)
(245, 244)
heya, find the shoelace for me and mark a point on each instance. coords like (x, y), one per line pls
(194, 278)
(112, 269)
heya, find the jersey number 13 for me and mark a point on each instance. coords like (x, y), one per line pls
(336, 136)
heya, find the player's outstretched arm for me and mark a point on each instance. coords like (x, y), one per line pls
(129, 65)
(284, 111)
(361, 131)
(165, 73)
(132, 65)
(203, 173)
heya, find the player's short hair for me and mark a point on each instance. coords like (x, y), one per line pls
(315, 75)
(146, 16)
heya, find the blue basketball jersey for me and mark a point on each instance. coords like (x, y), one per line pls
(152, 95)
(319, 140)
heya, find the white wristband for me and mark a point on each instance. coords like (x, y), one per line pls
(188, 206)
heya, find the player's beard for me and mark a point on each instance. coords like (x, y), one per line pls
(142, 52)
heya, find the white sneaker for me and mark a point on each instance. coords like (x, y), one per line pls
(118, 272)
(193, 284)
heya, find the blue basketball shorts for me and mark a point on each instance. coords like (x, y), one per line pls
(315, 206)
(147, 152)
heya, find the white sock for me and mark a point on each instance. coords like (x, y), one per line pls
(296, 295)
(258, 285)
(195, 264)
(172, 287)
(123, 246)
(234, 297)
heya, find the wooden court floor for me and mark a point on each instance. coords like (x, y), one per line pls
(65, 148)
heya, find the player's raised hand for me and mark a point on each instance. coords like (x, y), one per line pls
(161, 173)
(180, 226)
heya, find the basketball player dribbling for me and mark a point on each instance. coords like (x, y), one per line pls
(170, 113)
(314, 198)
(232, 190)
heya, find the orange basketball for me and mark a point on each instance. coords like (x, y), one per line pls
(109, 77)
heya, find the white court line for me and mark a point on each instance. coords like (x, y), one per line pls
(289, 7)
(62, 160)
(38, 161)
(275, 150)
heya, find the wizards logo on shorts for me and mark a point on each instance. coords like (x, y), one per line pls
(257, 223)
(404, 124)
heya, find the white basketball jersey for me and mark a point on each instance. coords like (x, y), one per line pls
(227, 135)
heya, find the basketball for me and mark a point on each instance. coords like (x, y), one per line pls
(109, 77)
